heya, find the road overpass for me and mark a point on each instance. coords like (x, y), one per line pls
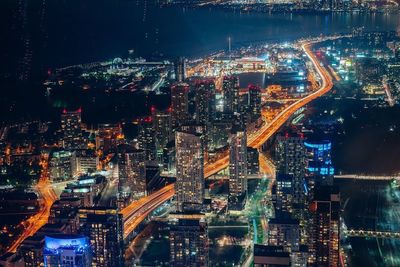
(138, 210)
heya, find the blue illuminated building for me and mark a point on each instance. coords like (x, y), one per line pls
(67, 250)
(319, 162)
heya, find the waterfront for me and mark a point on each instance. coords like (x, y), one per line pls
(73, 32)
(370, 205)
(63, 33)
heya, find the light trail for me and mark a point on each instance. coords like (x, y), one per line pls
(257, 139)
(135, 213)
(47, 198)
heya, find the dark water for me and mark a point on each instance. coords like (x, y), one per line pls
(42, 33)
(38, 35)
(371, 205)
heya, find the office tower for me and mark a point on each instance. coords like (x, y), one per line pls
(254, 102)
(284, 192)
(326, 226)
(104, 227)
(65, 211)
(205, 101)
(169, 157)
(271, 256)
(31, 250)
(284, 231)
(131, 172)
(188, 243)
(218, 133)
(230, 88)
(237, 164)
(60, 165)
(189, 171)
(147, 138)
(11, 260)
(67, 251)
(84, 161)
(290, 155)
(180, 69)
(253, 162)
(179, 104)
(162, 128)
(319, 162)
(108, 137)
(199, 129)
(71, 129)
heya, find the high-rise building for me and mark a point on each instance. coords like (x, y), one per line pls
(284, 231)
(189, 184)
(180, 69)
(162, 128)
(104, 227)
(108, 137)
(237, 164)
(205, 101)
(188, 243)
(60, 165)
(290, 155)
(31, 250)
(271, 256)
(319, 162)
(84, 161)
(147, 138)
(325, 236)
(254, 102)
(253, 162)
(67, 251)
(179, 104)
(230, 88)
(71, 129)
(284, 193)
(131, 172)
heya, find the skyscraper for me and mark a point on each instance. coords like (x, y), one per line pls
(180, 69)
(104, 227)
(237, 164)
(71, 129)
(205, 101)
(131, 172)
(147, 138)
(254, 102)
(284, 193)
(60, 165)
(319, 162)
(284, 231)
(253, 162)
(179, 104)
(290, 155)
(188, 243)
(189, 171)
(67, 251)
(162, 128)
(326, 226)
(230, 88)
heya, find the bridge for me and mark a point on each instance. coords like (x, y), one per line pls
(366, 177)
(373, 234)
